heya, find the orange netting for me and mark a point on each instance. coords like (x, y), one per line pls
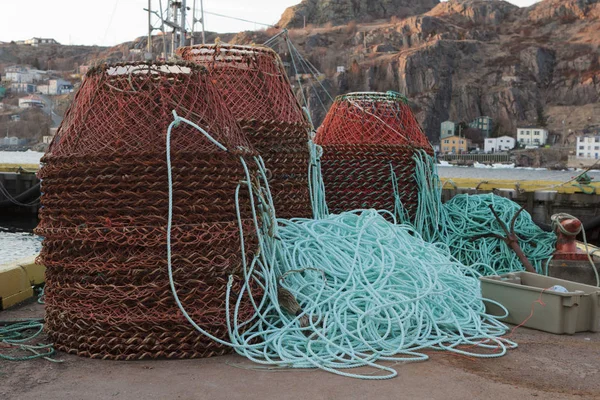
(364, 136)
(255, 87)
(104, 215)
(126, 108)
(371, 118)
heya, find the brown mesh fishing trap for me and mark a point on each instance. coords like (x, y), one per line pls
(364, 136)
(255, 87)
(104, 215)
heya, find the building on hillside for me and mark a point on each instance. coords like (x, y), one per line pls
(484, 123)
(532, 136)
(588, 146)
(502, 143)
(447, 129)
(31, 102)
(10, 141)
(59, 86)
(23, 88)
(19, 74)
(38, 42)
(454, 144)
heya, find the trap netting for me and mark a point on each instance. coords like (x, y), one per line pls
(105, 207)
(255, 87)
(368, 142)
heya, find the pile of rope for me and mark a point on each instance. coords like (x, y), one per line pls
(367, 138)
(17, 338)
(351, 290)
(467, 225)
(255, 87)
(104, 214)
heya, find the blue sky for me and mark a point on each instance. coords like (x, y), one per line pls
(109, 22)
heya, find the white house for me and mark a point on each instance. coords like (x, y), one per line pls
(40, 41)
(18, 74)
(532, 136)
(31, 102)
(447, 129)
(502, 143)
(588, 146)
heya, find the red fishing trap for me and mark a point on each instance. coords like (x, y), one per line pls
(364, 136)
(105, 207)
(255, 87)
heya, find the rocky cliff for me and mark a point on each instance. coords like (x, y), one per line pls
(466, 58)
(336, 12)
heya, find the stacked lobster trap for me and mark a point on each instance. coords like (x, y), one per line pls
(255, 87)
(366, 136)
(105, 207)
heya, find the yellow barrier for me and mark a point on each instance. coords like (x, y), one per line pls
(521, 186)
(19, 167)
(17, 279)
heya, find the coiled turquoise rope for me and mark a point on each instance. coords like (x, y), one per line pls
(456, 222)
(17, 336)
(372, 291)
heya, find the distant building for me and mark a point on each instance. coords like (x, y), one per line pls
(588, 146)
(15, 117)
(18, 74)
(59, 86)
(532, 136)
(23, 88)
(447, 129)
(453, 144)
(502, 143)
(341, 69)
(10, 141)
(484, 124)
(31, 102)
(38, 42)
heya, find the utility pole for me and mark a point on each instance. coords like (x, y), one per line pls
(150, 29)
(193, 23)
(174, 5)
(202, 20)
(183, 11)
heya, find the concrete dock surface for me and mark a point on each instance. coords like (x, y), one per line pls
(544, 366)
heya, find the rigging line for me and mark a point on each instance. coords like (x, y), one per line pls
(267, 43)
(238, 19)
(316, 75)
(296, 72)
(305, 66)
(112, 15)
(312, 83)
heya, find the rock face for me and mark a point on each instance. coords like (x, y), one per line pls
(467, 58)
(319, 12)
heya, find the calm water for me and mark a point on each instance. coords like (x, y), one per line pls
(514, 173)
(17, 239)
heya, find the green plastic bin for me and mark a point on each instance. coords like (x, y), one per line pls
(577, 310)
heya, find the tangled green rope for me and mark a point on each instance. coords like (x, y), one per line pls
(369, 290)
(18, 335)
(459, 222)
